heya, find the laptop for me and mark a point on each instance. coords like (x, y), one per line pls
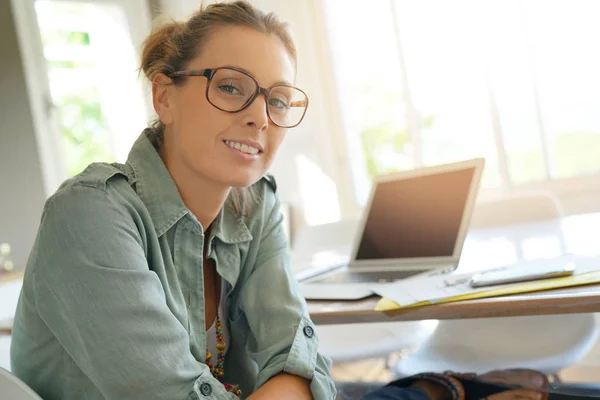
(414, 224)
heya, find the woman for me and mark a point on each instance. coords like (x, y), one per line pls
(168, 277)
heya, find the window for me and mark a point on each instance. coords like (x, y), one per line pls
(430, 81)
(92, 72)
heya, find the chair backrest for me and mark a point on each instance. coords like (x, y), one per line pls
(518, 208)
(13, 388)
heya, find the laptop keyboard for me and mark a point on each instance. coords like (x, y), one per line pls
(365, 277)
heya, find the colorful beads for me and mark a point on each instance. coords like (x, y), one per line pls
(235, 389)
(218, 370)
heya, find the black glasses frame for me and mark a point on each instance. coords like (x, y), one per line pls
(209, 73)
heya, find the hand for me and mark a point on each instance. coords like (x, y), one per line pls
(517, 394)
(431, 389)
(525, 378)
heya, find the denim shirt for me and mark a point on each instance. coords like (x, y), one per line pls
(112, 305)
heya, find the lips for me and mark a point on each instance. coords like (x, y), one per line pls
(244, 146)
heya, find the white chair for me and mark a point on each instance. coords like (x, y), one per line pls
(525, 207)
(546, 343)
(353, 342)
(13, 388)
(516, 209)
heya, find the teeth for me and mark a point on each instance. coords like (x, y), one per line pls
(242, 147)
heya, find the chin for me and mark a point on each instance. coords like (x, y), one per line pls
(243, 179)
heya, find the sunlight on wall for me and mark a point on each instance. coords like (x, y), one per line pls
(120, 91)
(318, 192)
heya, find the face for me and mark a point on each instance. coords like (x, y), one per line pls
(201, 140)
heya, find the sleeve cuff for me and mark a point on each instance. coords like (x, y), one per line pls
(207, 387)
(302, 358)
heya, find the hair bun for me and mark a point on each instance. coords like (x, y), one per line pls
(162, 21)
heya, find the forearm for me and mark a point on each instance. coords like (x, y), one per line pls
(284, 387)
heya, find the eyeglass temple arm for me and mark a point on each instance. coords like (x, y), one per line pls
(203, 72)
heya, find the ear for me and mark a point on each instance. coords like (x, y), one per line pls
(161, 98)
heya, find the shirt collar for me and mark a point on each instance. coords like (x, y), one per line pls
(230, 228)
(158, 191)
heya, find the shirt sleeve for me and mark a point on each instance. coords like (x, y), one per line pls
(96, 293)
(282, 336)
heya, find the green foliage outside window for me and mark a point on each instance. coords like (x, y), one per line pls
(84, 129)
(386, 141)
(384, 136)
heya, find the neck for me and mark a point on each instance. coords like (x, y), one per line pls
(202, 196)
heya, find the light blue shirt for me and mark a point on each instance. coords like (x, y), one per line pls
(112, 302)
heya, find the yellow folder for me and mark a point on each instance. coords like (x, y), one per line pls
(526, 287)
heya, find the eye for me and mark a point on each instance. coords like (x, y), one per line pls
(278, 103)
(229, 89)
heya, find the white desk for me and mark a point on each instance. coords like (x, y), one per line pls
(577, 234)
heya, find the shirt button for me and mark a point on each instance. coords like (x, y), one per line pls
(309, 332)
(205, 389)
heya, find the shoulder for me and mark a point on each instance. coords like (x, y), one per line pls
(108, 178)
(89, 216)
(99, 187)
(266, 197)
(99, 176)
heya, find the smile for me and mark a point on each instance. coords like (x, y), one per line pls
(244, 148)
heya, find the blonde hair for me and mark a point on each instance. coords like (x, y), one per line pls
(172, 45)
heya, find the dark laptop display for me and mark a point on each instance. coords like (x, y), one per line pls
(416, 217)
(415, 222)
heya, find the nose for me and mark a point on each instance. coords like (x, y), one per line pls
(255, 115)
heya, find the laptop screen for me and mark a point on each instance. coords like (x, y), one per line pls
(416, 217)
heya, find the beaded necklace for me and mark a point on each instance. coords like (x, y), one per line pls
(218, 370)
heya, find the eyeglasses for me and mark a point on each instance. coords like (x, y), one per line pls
(232, 90)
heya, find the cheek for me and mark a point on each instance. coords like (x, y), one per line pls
(192, 109)
(200, 121)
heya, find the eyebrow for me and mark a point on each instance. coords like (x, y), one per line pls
(285, 83)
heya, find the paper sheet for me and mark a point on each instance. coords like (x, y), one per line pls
(455, 287)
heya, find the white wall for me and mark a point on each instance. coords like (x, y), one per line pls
(22, 192)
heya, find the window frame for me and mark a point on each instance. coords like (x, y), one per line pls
(44, 111)
(578, 194)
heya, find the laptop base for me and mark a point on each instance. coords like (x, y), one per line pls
(336, 291)
(346, 276)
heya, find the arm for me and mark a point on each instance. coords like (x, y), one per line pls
(284, 387)
(282, 337)
(94, 290)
